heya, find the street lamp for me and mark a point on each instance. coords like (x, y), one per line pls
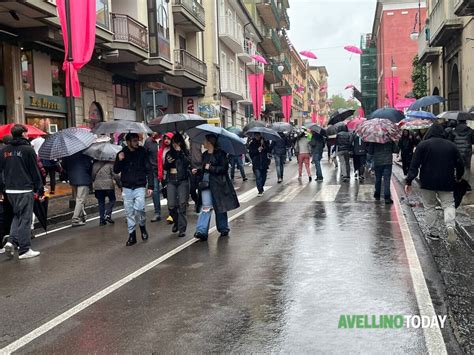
(414, 33)
(393, 69)
(280, 68)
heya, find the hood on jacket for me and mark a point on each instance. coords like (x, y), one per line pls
(19, 141)
(462, 127)
(435, 131)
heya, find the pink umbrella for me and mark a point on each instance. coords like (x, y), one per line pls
(353, 49)
(352, 124)
(300, 89)
(308, 54)
(350, 86)
(259, 58)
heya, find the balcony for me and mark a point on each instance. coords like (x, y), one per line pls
(271, 43)
(464, 7)
(189, 15)
(282, 88)
(231, 33)
(444, 24)
(250, 49)
(426, 54)
(286, 64)
(255, 66)
(232, 86)
(189, 70)
(272, 101)
(284, 19)
(269, 13)
(272, 75)
(130, 38)
(247, 100)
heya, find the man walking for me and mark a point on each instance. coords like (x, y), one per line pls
(20, 179)
(343, 149)
(133, 165)
(317, 143)
(382, 157)
(151, 146)
(359, 156)
(236, 161)
(463, 137)
(278, 149)
(439, 161)
(259, 150)
(79, 170)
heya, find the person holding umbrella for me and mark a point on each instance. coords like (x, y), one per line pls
(178, 170)
(383, 159)
(259, 150)
(165, 146)
(406, 146)
(302, 151)
(463, 137)
(136, 174)
(343, 149)
(317, 144)
(152, 147)
(278, 149)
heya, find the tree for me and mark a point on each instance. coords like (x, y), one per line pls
(338, 101)
(419, 79)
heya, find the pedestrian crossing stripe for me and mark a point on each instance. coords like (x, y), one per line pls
(288, 194)
(327, 194)
(365, 193)
(251, 194)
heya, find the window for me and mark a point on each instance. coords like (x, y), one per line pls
(124, 95)
(158, 27)
(27, 70)
(182, 42)
(57, 78)
(102, 11)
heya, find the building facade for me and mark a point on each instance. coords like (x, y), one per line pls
(368, 74)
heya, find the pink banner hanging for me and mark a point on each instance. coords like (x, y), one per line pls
(82, 25)
(314, 117)
(286, 102)
(361, 112)
(391, 86)
(256, 93)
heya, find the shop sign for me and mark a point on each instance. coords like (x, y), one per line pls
(45, 103)
(190, 105)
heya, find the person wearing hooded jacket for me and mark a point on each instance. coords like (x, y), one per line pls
(438, 161)
(278, 149)
(165, 146)
(259, 150)
(463, 137)
(343, 148)
(20, 179)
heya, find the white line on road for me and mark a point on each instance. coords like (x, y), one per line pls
(251, 194)
(327, 194)
(28, 338)
(288, 194)
(433, 337)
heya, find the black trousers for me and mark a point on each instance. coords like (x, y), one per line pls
(406, 161)
(20, 230)
(51, 171)
(178, 195)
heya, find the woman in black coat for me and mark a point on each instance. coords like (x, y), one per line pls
(406, 145)
(217, 191)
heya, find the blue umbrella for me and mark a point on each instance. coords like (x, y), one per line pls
(426, 101)
(227, 141)
(388, 113)
(65, 143)
(266, 133)
(421, 114)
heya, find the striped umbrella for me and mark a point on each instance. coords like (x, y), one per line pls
(65, 143)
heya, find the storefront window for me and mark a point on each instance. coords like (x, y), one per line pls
(124, 96)
(158, 27)
(57, 78)
(102, 10)
(46, 124)
(27, 70)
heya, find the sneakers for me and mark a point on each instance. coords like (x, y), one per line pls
(156, 218)
(433, 237)
(279, 181)
(29, 254)
(319, 179)
(310, 178)
(451, 235)
(78, 224)
(388, 201)
(169, 220)
(260, 194)
(245, 179)
(9, 250)
(109, 219)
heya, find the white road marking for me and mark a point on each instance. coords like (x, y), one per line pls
(28, 338)
(327, 193)
(365, 193)
(251, 194)
(433, 337)
(288, 194)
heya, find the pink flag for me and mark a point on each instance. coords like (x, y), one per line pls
(391, 86)
(314, 117)
(82, 18)
(256, 93)
(286, 102)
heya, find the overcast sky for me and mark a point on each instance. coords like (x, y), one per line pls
(325, 27)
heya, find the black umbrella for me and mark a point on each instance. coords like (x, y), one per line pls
(460, 189)
(456, 115)
(282, 127)
(103, 151)
(40, 209)
(176, 122)
(331, 131)
(121, 126)
(267, 133)
(340, 115)
(340, 126)
(426, 101)
(65, 143)
(253, 124)
(388, 113)
(315, 128)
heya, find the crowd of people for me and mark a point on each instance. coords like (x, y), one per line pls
(176, 168)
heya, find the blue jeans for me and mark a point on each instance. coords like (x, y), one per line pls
(317, 162)
(156, 196)
(236, 160)
(385, 172)
(289, 152)
(204, 219)
(101, 195)
(134, 205)
(280, 165)
(261, 177)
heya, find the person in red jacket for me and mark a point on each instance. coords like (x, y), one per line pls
(165, 145)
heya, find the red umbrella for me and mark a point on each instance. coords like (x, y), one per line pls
(33, 132)
(353, 49)
(259, 58)
(308, 54)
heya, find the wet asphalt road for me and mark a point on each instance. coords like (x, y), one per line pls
(296, 260)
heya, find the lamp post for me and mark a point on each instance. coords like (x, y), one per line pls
(393, 69)
(414, 34)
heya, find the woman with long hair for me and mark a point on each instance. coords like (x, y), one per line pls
(217, 191)
(177, 165)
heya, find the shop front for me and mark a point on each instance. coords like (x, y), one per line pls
(48, 113)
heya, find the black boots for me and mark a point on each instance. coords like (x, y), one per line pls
(132, 239)
(144, 232)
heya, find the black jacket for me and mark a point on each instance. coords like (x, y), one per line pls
(135, 169)
(406, 145)
(79, 169)
(278, 147)
(317, 143)
(182, 163)
(463, 137)
(343, 142)
(359, 147)
(224, 198)
(151, 146)
(18, 167)
(438, 159)
(260, 160)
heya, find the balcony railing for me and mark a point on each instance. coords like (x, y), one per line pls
(273, 101)
(186, 61)
(250, 47)
(442, 16)
(194, 8)
(284, 19)
(231, 28)
(127, 29)
(464, 7)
